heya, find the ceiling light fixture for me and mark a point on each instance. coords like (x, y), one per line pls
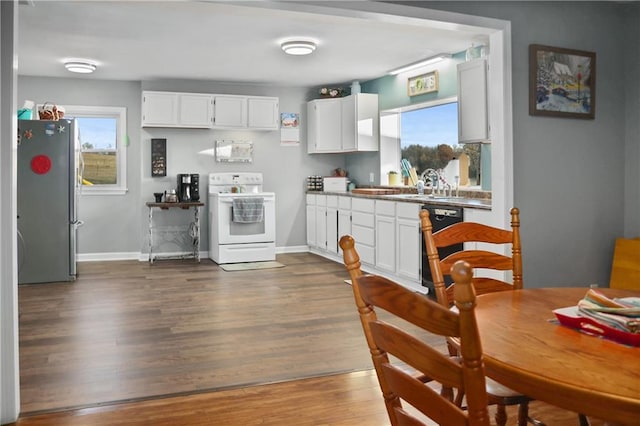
(298, 47)
(431, 60)
(83, 67)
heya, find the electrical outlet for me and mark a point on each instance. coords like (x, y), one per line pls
(371, 177)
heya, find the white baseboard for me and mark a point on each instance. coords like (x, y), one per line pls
(292, 249)
(144, 257)
(104, 257)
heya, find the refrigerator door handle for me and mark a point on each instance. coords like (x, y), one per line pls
(78, 223)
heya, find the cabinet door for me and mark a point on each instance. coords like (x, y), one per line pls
(409, 240)
(349, 123)
(230, 111)
(386, 243)
(196, 110)
(321, 227)
(159, 109)
(262, 113)
(332, 230)
(324, 125)
(473, 116)
(311, 225)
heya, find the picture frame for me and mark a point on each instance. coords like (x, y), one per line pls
(421, 84)
(562, 82)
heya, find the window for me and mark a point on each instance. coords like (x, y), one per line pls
(102, 135)
(429, 140)
(427, 136)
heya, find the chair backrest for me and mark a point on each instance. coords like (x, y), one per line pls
(411, 353)
(382, 293)
(470, 232)
(625, 270)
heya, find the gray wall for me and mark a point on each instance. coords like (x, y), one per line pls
(117, 225)
(576, 181)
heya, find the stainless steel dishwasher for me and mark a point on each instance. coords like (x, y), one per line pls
(441, 217)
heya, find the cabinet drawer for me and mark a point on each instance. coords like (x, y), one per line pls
(311, 199)
(408, 210)
(344, 203)
(363, 235)
(387, 208)
(363, 219)
(362, 205)
(332, 201)
(321, 200)
(367, 254)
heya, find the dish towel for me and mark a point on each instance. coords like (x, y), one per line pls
(248, 210)
(622, 314)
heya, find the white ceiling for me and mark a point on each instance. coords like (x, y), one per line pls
(225, 41)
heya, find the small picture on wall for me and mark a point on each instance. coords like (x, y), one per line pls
(425, 83)
(562, 82)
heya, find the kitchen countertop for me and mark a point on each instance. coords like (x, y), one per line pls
(474, 203)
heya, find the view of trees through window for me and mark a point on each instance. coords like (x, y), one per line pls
(429, 140)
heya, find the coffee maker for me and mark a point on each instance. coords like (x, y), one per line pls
(195, 187)
(184, 188)
(188, 188)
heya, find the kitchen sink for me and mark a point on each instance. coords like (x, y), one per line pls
(425, 197)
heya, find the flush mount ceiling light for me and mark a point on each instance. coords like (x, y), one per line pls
(83, 67)
(298, 47)
(431, 60)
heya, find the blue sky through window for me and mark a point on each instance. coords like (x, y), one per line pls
(98, 131)
(430, 126)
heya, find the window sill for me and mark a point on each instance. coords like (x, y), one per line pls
(102, 191)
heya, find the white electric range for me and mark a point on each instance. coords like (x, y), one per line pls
(233, 241)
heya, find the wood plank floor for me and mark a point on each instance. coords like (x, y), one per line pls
(134, 344)
(346, 399)
(127, 330)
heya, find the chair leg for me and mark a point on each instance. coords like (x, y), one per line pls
(523, 414)
(583, 420)
(501, 415)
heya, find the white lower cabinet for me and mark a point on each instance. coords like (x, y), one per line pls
(386, 235)
(344, 218)
(363, 229)
(311, 220)
(408, 242)
(332, 224)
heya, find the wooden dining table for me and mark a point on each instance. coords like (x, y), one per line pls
(526, 349)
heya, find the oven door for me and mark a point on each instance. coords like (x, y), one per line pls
(230, 232)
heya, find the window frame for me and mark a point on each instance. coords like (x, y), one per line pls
(120, 114)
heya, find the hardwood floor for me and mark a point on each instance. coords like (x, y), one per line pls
(134, 344)
(346, 399)
(127, 330)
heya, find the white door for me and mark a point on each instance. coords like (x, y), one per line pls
(262, 113)
(230, 111)
(159, 109)
(196, 110)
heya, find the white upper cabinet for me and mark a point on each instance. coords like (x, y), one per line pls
(230, 111)
(246, 112)
(473, 112)
(263, 113)
(324, 121)
(360, 122)
(206, 111)
(343, 124)
(173, 109)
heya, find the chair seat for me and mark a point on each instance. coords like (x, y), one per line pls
(500, 390)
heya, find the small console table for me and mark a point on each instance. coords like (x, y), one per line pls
(196, 229)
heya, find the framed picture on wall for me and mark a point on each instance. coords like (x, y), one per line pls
(562, 82)
(425, 83)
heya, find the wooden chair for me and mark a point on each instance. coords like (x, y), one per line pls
(466, 232)
(405, 346)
